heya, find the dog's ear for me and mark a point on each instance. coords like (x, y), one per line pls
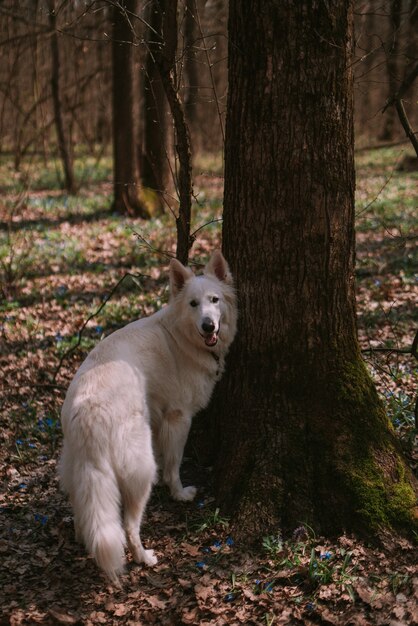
(218, 267)
(178, 276)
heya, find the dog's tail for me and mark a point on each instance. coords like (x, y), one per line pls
(97, 517)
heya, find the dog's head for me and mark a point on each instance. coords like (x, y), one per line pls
(207, 302)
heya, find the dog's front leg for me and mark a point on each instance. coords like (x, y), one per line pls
(172, 439)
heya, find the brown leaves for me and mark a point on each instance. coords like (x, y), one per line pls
(46, 578)
(62, 617)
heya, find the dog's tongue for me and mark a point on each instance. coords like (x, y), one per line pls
(211, 339)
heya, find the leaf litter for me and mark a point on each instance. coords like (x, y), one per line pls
(202, 576)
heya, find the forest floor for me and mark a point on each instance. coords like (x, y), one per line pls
(60, 260)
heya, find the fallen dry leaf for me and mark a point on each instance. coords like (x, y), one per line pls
(62, 617)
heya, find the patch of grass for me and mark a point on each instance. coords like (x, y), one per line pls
(310, 563)
(65, 344)
(212, 163)
(206, 520)
(401, 410)
(385, 198)
(49, 175)
(381, 159)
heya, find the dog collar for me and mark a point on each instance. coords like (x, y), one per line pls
(216, 358)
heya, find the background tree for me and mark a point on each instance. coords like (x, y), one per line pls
(304, 435)
(392, 50)
(191, 67)
(166, 64)
(27, 118)
(128, 197)
(155, 160)
(64, 146)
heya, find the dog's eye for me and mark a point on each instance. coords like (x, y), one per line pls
(215, 299)
(194, 303)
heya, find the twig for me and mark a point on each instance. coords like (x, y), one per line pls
(406, 125)
(80, 332)
(150, 247)
(413, 350)
(390, 350)
(369, 204)
(214, 221)
(396, 100)
(168, 255)
(209, 65)
(403, 88)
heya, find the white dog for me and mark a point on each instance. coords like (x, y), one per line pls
(135, 395)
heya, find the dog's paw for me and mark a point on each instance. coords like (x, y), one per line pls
(186, 494)
(149, 557)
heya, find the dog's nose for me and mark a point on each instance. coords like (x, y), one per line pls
(207, 325)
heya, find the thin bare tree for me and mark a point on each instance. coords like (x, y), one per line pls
(63, 138)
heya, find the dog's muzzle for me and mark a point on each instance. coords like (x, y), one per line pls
(209, 334)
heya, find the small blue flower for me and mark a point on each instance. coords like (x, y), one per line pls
(207, 550)
(49, 422)
(31, 445)
(229, 597)
(200, 504)
(310, 606)
(397, 421)
(22, 486)
(377, 282)
(19, 442)
(201, 564)
(58, 337)
(325, 556)
(229, 541)
(41, 425)
(268, 587)
(61, 290)
(217, 544)
(98, 329)
(41, 519)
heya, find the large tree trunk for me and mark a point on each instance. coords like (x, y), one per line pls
(128, 197)
(302, 435)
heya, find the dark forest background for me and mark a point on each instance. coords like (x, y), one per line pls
(45, 42)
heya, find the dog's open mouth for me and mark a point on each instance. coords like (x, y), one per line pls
(211, 339)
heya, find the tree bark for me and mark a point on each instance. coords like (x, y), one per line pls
(63, 140)
(392, 68)
(128, 197)
(191, 70)
(166, 63)
(302, 435)
(154, 155)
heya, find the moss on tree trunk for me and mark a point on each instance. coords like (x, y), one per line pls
(302, 435)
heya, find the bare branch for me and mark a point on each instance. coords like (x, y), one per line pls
(93, 315)
(396, 101)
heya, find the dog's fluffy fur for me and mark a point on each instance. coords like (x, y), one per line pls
(132, 401)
